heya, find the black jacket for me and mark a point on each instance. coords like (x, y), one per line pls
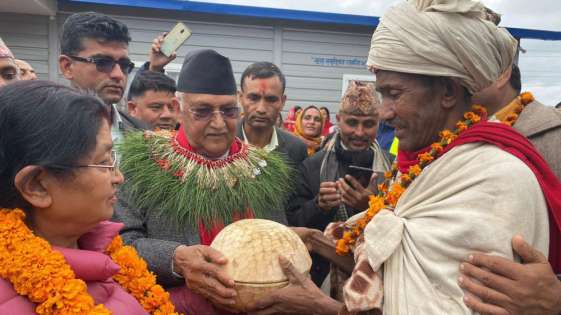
(130, 123)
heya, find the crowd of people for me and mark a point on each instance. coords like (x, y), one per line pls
(111, 211)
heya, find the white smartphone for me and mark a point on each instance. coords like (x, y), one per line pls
(173, 40)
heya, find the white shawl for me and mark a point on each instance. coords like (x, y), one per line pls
(474, 198)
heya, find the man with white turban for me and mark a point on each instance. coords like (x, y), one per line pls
(461, 184)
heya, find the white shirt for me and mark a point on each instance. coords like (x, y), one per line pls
(273, 144)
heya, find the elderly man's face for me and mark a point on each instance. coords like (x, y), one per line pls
(8, 71)
(412, 106)
(109, 86)
(25, 70)
(357, 132)
(210, 122)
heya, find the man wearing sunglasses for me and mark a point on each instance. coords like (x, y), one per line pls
(183, 187)
(94, 57)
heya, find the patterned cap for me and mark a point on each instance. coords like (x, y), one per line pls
(359, 99)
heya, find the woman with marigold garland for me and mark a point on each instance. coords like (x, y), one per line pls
(58, 173)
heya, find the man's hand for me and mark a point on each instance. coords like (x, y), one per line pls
(301, 296)
(353, 194)
(158, 60)
(203, 270)
(306, 235)
(505, 287)
(328, 197)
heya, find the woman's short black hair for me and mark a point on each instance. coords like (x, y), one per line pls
(46, 124)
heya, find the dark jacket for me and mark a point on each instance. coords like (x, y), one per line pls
(293, 149)
(542, 126)
(303, 208)
(130, 123)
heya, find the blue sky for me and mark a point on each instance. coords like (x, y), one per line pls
(540, 65)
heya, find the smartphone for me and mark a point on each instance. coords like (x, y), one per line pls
(362, 174)
(175, 38)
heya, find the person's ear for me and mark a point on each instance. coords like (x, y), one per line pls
(283, 100)
(32, 183)
(504, 78)
(452, 93)
(65, 65)
(131, 106)
(175, 104)
(338, 118)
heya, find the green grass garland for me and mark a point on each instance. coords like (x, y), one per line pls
(189, 201)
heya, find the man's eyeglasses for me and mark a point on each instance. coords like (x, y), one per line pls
(112, 167)
(106, 64)
(206, 114)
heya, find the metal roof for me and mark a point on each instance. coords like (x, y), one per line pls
(283, 14)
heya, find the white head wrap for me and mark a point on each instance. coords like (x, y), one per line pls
(449, 38)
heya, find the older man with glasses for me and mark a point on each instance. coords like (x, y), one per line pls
(183, 187)
(95, 58)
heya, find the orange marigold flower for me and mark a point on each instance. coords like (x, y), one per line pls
(405, 178)
(347, 236)
(479, 110)
(382, 187)
(461, 126)
(446, 134)
(476, 119)
(437, 147)
(469, 115)
(394, 194)
(526, 98)
(388, 175)
(511, 119)
(342, 248)
(426, 157)
(414, 170)
(375, 203)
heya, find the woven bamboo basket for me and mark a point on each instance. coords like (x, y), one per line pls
(252, 247)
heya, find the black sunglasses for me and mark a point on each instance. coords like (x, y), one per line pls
(106, 64)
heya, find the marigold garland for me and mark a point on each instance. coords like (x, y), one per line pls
(391, 190)
(44, 277)
(523, 99)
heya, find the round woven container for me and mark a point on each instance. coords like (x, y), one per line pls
(252, 247)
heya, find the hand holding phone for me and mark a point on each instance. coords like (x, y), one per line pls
(175, 38)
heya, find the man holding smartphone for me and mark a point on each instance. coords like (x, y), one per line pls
(328, 188)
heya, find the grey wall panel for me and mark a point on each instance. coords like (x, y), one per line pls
(315, 61)
(325, 37)
(27, 36)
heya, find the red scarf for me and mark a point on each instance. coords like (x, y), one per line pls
(207, 234)
(509, 140)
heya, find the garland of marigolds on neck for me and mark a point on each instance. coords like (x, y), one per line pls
(42, 275)
(391, 190)
(389, 194)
